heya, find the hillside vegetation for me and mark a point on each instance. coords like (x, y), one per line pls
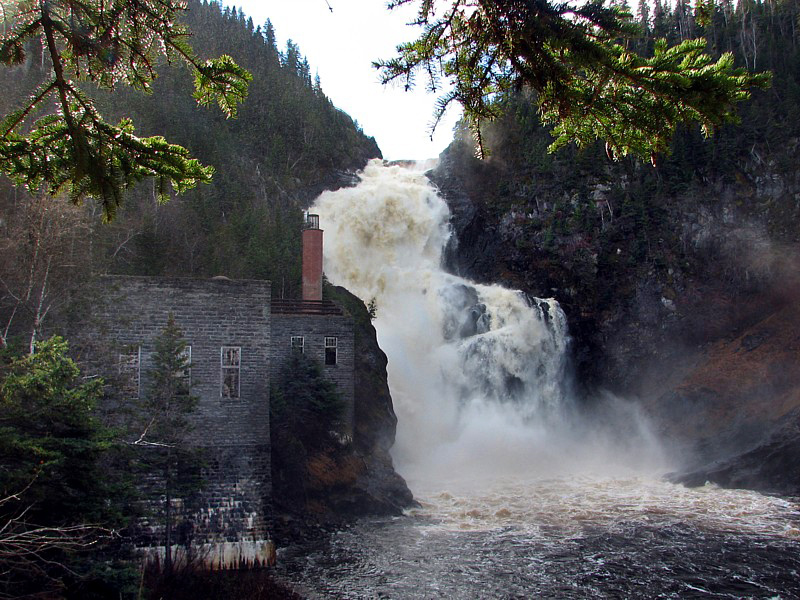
(288, 143)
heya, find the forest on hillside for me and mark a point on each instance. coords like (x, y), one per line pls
(287, 144)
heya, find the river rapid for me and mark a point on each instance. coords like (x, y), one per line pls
(567, 538)
(523, 491)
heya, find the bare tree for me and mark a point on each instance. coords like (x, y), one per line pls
(31, 552)
(43, 258)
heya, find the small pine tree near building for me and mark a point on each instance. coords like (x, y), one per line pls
(164, 415)
(168, 400)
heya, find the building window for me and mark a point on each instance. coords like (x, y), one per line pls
(331, 344)
(128, 366)
(230, 363)
(185, 375)
(298, 343)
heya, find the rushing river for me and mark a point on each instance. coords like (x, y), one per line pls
(569, 538)
(523, 491)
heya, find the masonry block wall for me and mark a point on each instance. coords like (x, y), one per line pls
(227, 325)
(314, 329)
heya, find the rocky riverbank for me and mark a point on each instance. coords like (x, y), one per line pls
(342, 480)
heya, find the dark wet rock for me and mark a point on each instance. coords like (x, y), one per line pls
(771, 466)
(473, 246)
(476, 321)
(332, 180)
(358, 479)
(736, 397)
(751, 342)
(736, 413)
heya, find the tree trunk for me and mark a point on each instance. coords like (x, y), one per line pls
(168, 518)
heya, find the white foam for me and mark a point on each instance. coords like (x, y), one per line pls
(476, 371)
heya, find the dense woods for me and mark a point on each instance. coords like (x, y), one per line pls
(287, 144)
(56, 139)
(588, 80)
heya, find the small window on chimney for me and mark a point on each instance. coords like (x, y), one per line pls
(230, 363)
(298, 343)
(331, 344)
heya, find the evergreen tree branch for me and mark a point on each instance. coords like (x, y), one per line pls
(105, 41)
(587, 83)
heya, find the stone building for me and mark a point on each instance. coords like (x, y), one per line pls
(238, 338)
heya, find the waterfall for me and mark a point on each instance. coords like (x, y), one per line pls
(476, 372)
(524, 490)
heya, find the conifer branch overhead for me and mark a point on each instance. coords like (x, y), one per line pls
(576, 59)
(107, 42)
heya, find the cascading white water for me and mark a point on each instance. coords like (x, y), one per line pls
(476, 371)
(524, 493)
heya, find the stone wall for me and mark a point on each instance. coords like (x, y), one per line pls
(234, 431)
(314, 329)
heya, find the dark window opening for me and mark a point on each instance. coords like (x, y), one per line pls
(331, 347)
(230, 363)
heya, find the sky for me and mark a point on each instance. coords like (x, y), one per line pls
(340, 45)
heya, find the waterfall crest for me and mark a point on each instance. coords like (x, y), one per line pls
(477, 372)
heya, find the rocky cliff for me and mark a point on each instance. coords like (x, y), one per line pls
(736, 410)
(679, 282)
(339, 481)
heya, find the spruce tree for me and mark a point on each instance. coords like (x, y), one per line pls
(57, 138)
(165, 415)
(305, 408)
(588, 83)
(59, 500)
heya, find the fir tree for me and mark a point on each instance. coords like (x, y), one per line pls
(58, 498)
(644, 15)
(165, 413)
(587, 83)
(109, 43)
(305, 408)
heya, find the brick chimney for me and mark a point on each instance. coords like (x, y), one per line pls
(312, 258)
